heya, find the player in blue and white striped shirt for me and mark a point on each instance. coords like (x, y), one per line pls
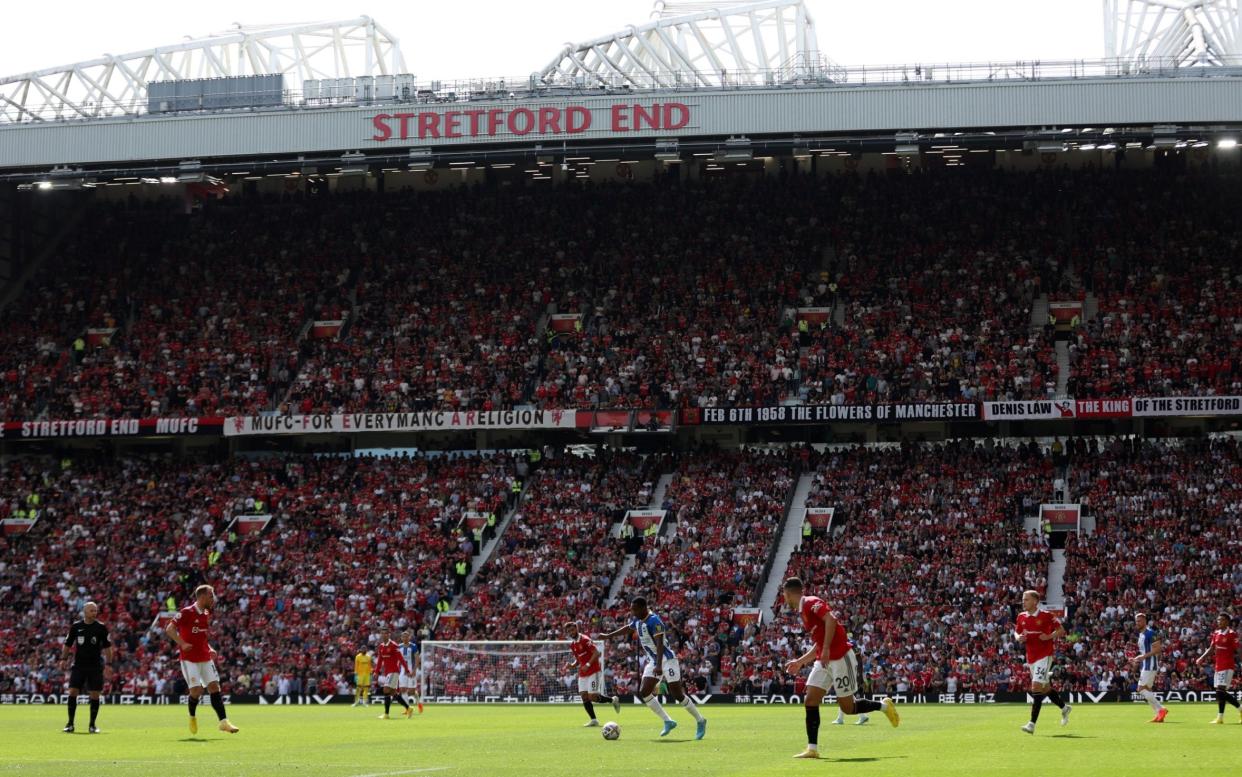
(1150, 644)
(660, 663)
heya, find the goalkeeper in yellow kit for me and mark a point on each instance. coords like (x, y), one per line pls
(362, 678)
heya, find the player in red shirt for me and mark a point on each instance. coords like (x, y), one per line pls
(834, 667)
(389, 664)
(590, 672)
(1037, 629)
(189, 629)
(1224, 644)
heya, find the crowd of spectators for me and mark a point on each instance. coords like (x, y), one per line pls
(1168, 287)
(925, 560)
(1167, 536)
(925, 564)
(354, 542)
(725, 509)
(445, 296)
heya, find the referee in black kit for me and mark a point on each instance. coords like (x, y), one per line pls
(88, 638)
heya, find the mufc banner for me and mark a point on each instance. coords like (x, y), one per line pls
(1065, 315)
(1061, 517)
(18, 525)
(642, 520)
(429, 421)
(1187, 406)
(110, 427)
(820, 517)
(744, 616)
(249, 524)
(1030, 410)
(814, 316)
(827, 414)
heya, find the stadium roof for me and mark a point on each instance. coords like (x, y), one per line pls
(1187, 32)
(691, 44)
(117, 84)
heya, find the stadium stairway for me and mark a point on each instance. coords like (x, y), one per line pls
(490, 547)
(790, 539)
(1090, 307)
(1039, 313)
(657, 499)
(1063, 367)
(1055, 595)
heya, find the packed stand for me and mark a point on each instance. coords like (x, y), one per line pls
(925, 564)
(445, 296)
(557, 558)
(725, 510)
(1168, 533)
(354, 543)
(1169, 289)
(203, 312)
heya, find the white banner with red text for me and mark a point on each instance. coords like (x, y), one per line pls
(428, 421)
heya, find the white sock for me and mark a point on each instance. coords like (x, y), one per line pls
(1152, 700)
(840, 715)
(656, 707)
(693, 710)
(812, 748)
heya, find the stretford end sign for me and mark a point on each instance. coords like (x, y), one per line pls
(546, 120)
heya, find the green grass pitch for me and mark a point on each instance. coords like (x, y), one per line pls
(547, 741)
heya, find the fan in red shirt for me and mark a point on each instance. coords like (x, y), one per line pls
(1037, 629)
(590, 672)
(389, 663)
(189, 629)
(1224, 644)
(834, 665)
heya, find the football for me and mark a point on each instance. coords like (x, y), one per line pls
(611, 731)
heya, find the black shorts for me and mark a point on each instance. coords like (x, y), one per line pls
(85, 679)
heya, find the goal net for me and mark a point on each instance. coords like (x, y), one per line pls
(504, 672)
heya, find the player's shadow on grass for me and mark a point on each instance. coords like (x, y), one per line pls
(197, 739)
(1073, 736)
(671, 741)
(862, 759)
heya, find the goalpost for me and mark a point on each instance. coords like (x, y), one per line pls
(498, 671)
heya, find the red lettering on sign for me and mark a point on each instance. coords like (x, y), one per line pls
(405, 123)
(428, 125)
(649, 117)
(527, 123)
(549, 120)
(618, 118)
(577, 119)
(542, 120)
(495, 120)
(676, 115)
(452, 124)
(382, 130)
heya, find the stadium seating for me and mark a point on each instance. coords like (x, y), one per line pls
(445, 298)
(727, 508)
(1168, 533)
(353, 542)
(927, 569)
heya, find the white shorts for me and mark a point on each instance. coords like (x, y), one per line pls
(199, 674)
(1147, 678)
(1223, 679)
(1041, 671)
(671, 667)
(840, 676)
(594, 683)
(407, 681)
(390, 680)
